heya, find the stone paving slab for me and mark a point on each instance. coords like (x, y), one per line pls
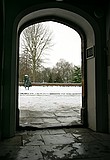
(49, 119)
(66, 119)
(41, 114)
(57, 131)
(29, 153)
(8, 152)
(78, 130)
(56, 144)
(57, 152)
(93, 150)
(66, 114)
(59, 139)
(35, 121)
(35, 140)
(84, 137)
(39, 132)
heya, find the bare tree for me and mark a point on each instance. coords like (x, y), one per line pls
(63, 71)
(36, 41)
(24, 65)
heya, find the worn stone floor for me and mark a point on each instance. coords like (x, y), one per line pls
(45, 119)
(54, 144)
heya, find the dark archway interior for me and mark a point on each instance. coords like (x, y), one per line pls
(90, 24)
(91, 20)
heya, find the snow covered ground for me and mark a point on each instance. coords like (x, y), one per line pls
(50, 98)
(50, 106)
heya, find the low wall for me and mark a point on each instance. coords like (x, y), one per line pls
(53, 84)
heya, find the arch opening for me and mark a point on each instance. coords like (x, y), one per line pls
(55, 96)
(82, 26)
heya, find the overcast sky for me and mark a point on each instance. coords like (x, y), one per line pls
(67, 45)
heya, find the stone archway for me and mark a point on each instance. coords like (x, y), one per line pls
(88, 41)
(52, 104)
(93, 43)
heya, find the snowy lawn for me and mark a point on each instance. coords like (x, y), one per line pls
(50, 98)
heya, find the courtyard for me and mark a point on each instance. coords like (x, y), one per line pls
(50, 106)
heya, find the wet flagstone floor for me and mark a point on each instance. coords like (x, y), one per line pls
(46, 119)
(55, 144)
